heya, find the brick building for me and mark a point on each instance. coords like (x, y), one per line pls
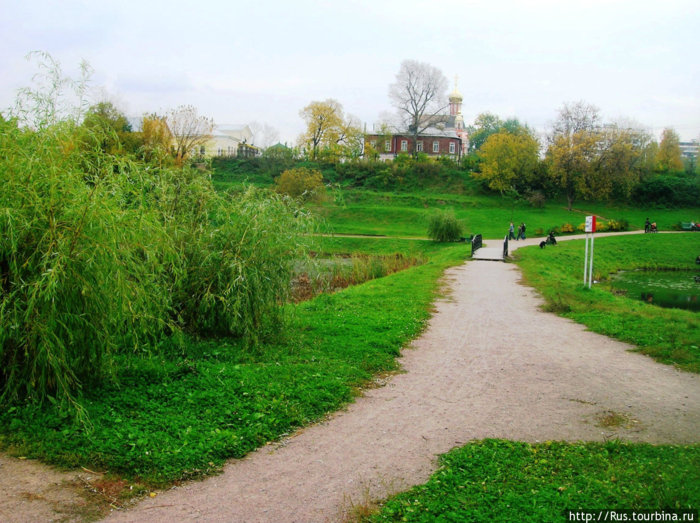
(445, 136)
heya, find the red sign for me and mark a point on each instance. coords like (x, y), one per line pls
(590, 224)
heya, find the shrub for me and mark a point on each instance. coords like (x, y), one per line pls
(81, 261)
(617, 225)
(102, 253)
(669, 191)
(238, 265)
(302, 183)
(444, 227)
(537, 199)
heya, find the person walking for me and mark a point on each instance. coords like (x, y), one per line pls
(511, 234)
(520, 232)
(522, 225)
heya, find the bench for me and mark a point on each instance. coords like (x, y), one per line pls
(690, 226)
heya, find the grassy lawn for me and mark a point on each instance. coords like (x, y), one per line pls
(669, 335)
(495, 480)
(407, 215)
(182, 413)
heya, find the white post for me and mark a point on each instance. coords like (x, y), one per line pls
(585, 263)
(590, 274)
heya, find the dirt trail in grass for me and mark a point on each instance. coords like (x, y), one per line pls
(491, 364)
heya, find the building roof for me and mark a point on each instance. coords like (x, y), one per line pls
(430, 132)
(227, 127)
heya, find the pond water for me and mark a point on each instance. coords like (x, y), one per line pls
(676, 289)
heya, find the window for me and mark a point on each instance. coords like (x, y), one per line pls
(201, 150)
(452, 147)
(387, 146)
(419, 146)
(436, 147)
(373, 144)
(404, 145)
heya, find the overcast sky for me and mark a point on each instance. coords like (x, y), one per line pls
(259, 60)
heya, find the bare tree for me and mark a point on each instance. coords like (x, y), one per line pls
(419, 95)
(264, 135)
(575, 117)
(189, 130)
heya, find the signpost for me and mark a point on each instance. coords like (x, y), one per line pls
(588, 261)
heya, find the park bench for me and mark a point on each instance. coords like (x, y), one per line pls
(690, 226)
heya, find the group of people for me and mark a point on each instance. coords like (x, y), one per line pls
(521, 232)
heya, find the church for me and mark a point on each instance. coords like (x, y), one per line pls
(445, 136)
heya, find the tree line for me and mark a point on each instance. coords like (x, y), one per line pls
(582, 157)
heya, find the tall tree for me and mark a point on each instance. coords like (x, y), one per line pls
(487, 124)
(573, 151)
(623, 158)
(668, 157)
(328, 130)
(508, 160)
(419, 95)
(574, 117)
(572, 164)
(189, 130)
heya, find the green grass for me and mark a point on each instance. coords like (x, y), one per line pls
(383, 245)
(183, 413)
(407, 215)
(495, 480)
(669, 335)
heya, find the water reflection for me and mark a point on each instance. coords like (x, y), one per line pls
(674, 289)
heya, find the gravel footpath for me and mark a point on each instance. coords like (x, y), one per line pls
(490, 364)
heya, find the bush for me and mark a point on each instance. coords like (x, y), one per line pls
(302, 183)
(81, 260)
(238, 265)
(669, 191)
(444, 227)
(102, 253)
(537, 199)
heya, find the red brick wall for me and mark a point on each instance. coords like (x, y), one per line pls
(427, 144)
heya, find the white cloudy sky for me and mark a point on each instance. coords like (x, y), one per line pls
(263, 60)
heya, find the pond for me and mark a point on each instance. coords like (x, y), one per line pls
(675, 289)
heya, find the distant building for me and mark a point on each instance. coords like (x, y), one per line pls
(230, 140)
(226, 140)
(689, 149)
(445, 136)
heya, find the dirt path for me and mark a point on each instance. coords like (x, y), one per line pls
(490, 364)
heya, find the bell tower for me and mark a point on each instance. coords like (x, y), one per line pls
(455, 100)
